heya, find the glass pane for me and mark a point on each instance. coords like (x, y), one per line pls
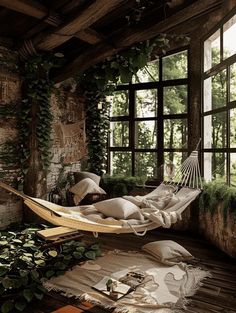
(149, 73)
(175, 133)
(121, 163)
(233, 169)
(175, 99)
(119, 103)
(215, 166)
(233, 82)
(215, 130)
(172, 163)
(119, 135)
(212, 51)
(229, 33)
(175, 66)
(215, 91)
(146, 103)
(233, 128)
(146, 164)
(146, 134)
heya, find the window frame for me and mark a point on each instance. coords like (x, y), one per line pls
(229, 105)
(160, 117)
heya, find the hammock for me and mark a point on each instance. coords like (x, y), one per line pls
(188, 177)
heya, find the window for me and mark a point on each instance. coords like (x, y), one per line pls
(148, 119)
(219, 104)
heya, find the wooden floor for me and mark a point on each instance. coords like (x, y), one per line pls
(218, 294)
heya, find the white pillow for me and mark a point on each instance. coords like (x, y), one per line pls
(82, 188)
(118, 208)
(79, 176)
(167, 251)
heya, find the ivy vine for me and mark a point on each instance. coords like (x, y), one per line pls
(101, 80)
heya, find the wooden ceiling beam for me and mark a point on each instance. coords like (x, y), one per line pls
(90, 36)
(27, 7)
(34, 9)
(98, 9)
(133, 35)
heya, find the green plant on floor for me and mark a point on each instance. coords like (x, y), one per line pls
(24, 264)
(215, 193)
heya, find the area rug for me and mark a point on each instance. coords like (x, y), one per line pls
(165, 288)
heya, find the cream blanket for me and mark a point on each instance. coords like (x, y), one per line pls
(165, 288)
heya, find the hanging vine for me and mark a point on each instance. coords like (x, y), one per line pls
(101, 80)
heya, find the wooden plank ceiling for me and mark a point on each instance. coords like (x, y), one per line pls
(88, 31)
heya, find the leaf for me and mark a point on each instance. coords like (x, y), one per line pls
(38, 295)
(34, 274)
(53, 253)
(7, 283)
(7, 306)
(77, 255)
(17, 240)
(28, 294)
(95, 247)
(3, 242)
(50, 273)
(90, 255)
(40, 262)
(20, 305)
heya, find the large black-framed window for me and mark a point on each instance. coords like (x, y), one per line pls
(219, 103)
(149, 119)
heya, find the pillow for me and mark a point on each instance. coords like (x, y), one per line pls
(82, 188)
(118, 208)
(167, 251)
(82, 175)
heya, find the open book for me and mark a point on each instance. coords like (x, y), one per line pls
(116, 289)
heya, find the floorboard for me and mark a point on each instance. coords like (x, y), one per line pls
(217, 295)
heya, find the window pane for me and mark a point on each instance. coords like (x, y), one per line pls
(175, 66)
(146, 164)
(233, 128)
(233, 169)
(233, 82)
(146, 134)
(215, 130)
(175, 133)
(146, 103)
(121, 163)
(175, 99)
(215, 166)
(119, 136)
(229, 33)
(119, 103)
(215, 91)
(170, 159)
(149, 73)
(212, 51)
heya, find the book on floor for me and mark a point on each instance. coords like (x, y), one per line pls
(115, 289)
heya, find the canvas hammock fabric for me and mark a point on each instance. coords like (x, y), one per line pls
(188, 177)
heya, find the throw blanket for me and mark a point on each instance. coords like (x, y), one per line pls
(165, 288)
(164, 207)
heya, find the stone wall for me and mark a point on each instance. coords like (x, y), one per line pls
(10, 97)
(68, 133)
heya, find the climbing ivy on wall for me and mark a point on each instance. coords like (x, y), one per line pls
(37, 89)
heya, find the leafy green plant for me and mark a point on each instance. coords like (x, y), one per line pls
(118, 185)
(24, 264)
(215, 193)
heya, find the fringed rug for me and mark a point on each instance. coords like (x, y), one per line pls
(165, 288)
